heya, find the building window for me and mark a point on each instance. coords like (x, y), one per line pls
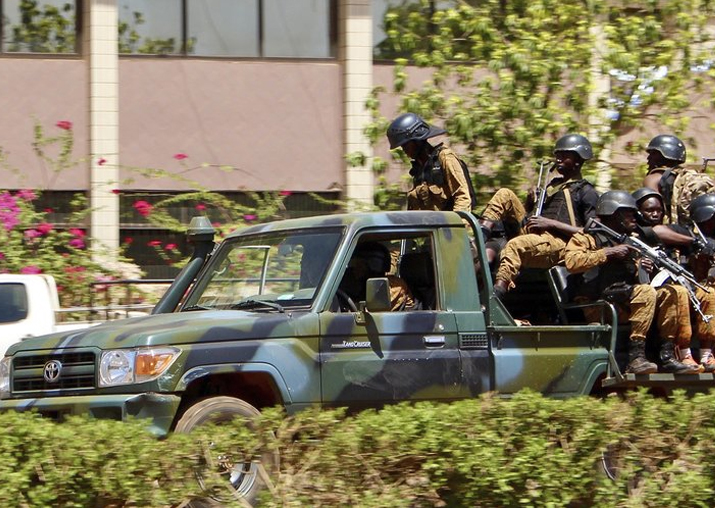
(228, 28)
(48, 26)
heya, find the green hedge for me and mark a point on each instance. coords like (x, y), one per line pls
(527, 450)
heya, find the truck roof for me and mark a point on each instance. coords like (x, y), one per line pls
(358, 220)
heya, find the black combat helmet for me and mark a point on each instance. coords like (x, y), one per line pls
(669, 147)
(410, 127)
(574, 143)
(376, 256)
(644, 193)
(611, 201)
(702, 208)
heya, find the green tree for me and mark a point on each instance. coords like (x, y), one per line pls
(44, 28)
(510, 77)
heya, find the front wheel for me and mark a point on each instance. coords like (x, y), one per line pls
(244, 477)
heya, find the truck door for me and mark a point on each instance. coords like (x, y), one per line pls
(407, 354)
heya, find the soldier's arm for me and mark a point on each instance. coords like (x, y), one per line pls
(455, 182)
(582, 254)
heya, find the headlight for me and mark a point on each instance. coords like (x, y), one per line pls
(5, 376)
(127, 366)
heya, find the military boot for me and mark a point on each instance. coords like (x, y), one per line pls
(669, 363)
(637, 362)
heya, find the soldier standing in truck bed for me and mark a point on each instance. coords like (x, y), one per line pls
(440, 180)
(570, 202)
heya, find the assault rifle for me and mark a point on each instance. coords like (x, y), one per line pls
(660, 259)
(541, 185)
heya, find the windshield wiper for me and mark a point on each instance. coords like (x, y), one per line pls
(196, 307)
(250, 303)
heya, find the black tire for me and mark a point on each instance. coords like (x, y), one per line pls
(245, 478)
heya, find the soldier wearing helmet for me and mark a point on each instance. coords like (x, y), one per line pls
(677, 184)
(372, 259)
(570, 202)
(702, 263)
(650, 206)
(611, 271)
(440, 182)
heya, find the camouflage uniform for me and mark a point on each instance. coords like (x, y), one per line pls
(400, 295)
(540, 250)
(669, 303)
(439, 190)
(679, 186)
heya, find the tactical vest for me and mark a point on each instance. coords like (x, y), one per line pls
(432, 173)
(597, 279)
(555, 206)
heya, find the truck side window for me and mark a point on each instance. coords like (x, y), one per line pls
(13, 303)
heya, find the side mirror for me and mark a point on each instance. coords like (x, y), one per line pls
(377, 295)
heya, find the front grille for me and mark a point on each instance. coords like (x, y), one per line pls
(77, 372)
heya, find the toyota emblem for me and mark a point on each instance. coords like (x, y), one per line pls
(52, 371)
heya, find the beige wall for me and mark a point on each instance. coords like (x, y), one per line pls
(46, 90)
(280, 122)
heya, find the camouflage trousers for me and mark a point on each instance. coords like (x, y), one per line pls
(542, 250)
(505, 205)
(705, 332)
(668, 305)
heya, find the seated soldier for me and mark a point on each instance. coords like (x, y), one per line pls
(611, 271)
(570, 202)
(372, 259)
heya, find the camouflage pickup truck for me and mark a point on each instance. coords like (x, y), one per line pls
(265, 318)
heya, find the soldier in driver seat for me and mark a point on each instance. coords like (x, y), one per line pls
(372, 259)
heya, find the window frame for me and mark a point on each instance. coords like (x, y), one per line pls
(78, 30)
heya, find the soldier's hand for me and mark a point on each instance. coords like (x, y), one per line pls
(538, 224)
(618, 252)
(647, 264)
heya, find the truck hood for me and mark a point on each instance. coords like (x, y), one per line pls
(179, 328)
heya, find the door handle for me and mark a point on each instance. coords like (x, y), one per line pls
(435, 341)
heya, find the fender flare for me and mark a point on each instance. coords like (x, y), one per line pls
(202, 371)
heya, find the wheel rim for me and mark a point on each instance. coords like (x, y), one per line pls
(241, 476)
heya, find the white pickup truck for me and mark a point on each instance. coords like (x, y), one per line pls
(30, 306)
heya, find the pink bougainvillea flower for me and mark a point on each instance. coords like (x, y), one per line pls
(170, 246)
(102, 161)
(2, 255)
(200, 207)
(26, 194)
(76, 243)
(285, 193)
(249, 217)
(48, 210)
(64, 124)
(44, 228)
(31, 269)
(143, 208)
(79, 233)
(129, 240)
(9, 211)
(32, 233)
(116, 191)
(154, 243)
(180, 156)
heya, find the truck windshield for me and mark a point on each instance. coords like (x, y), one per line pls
(284, 268)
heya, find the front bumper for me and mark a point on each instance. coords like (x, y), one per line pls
(159, 408)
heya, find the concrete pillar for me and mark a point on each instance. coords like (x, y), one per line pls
(356, 59)
(600, 87)
(100, 46)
